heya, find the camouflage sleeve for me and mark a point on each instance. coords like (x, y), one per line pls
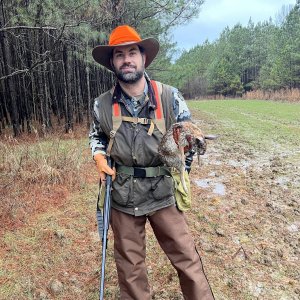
(180, 108)
(97, 138)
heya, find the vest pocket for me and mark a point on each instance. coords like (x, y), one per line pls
(162, 187)
(121, 189)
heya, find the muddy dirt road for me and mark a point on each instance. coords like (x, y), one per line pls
(246, 215)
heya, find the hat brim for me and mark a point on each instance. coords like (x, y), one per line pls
(102, 54)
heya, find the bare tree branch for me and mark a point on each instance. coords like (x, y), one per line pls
(27, 27)
(42, 27)
(28, 70)
(44, 56)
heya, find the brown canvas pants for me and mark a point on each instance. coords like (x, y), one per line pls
(171, 231)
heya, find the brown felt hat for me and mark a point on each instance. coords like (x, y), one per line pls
(121, 36)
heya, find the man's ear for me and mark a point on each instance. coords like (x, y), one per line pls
(144, 58)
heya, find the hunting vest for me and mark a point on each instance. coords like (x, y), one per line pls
(135, 144)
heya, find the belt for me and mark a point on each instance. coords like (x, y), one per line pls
(144, 172)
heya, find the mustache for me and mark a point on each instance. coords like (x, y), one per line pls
(127, 65)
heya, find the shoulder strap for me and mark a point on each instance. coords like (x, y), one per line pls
(117, 121)
(159, 113)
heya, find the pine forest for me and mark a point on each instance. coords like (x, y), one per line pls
(48, 77)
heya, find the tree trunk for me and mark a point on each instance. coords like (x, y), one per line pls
(67, 82)
(87, 69)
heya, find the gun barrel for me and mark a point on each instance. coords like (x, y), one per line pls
(106, 218)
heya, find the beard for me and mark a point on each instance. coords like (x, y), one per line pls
(130, 77)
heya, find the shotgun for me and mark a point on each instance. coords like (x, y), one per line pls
(103, 225)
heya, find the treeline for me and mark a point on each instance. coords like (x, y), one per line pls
(48, 82)
(263, 56)
(47, 75)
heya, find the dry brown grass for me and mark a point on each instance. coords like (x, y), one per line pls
(287, 95)
(290, 95)
(36, 171)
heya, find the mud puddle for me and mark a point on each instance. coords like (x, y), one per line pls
(215, 187)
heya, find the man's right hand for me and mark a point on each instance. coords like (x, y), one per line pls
(103, 168)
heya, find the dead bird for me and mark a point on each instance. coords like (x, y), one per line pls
(182, 137)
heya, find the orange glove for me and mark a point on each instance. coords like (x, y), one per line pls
(103, 168)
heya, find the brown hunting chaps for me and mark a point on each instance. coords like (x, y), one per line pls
(171, 230)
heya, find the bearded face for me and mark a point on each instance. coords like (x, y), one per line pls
(128, 63)
(129, 77)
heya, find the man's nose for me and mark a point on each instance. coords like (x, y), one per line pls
(127, 58)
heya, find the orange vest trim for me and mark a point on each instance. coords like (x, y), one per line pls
(158, 111)
(116, 109)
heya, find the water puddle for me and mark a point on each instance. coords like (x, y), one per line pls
(217, 187)
(243, 164)
(283, 182)
(293, 228)
(216, 162)
(204, 183)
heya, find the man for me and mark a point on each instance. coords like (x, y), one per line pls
(137, 193)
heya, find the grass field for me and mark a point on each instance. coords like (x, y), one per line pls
(262, 124)
(247, 234)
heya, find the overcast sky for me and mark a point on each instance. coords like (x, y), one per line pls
(215, 15)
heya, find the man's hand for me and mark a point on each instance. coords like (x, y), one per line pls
(103, 168)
